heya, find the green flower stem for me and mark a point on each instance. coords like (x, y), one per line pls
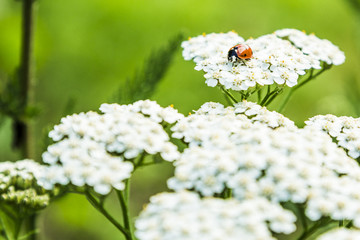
(245, 94)
(314, 228)
(11, 222)
(349, 224)
(123, 197)
(233, 99)
(303, 219)
(259, 96)
(30, 225)
(274, 95)
(140, 162)
(228, 99)
(227, 194)
(14, 235)
(268, 95)
(325, 67)
(341, 223)
(311, 76)
(98, 206)
(21, 137)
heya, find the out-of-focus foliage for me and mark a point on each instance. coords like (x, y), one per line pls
(145, 80)
(85, 49)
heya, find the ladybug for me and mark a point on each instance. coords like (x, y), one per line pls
(240, 52)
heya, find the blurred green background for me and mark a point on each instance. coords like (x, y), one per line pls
(84, 49)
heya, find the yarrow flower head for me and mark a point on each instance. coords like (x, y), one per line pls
(18, 184)
(99, 150)
(195, 129)
(276, 60)
(345, 130)
(148, 108)
(321, 49)
(185, 216)
(84, 162)
(284, 164)
(259, 114)
(123, 129)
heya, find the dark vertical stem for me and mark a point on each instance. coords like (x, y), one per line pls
(21, 128)
(27, 45)
(22, 139)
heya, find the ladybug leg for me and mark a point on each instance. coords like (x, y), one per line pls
(242, 61)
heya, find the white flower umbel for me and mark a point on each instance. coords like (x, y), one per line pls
(340, 234)
(195, 128)
(19, 187)
(147, 108)
(184, 216)
(260, 114)
(321, 49)
(99, 150)
(123, 130)
(84, 162)
(345, 130)
(274, 61)
(229, 151)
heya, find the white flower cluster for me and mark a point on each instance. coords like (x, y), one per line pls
(275, 60)
(341, 234)
(122, 129)
(184, 216)
(148, 108)
(18, 184)
(321, 49)
(26, 169)
(260, 114)
(282, 164)
(194, 130)
(84, 162)
(207, 47)
(346, 131)
(95, 150)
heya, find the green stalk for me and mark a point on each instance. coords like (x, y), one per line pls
(140, 161)
(313, 229)
(123, 197)
(98, 206)
(341, 223)
(11, 223)
(228, 100)
(300, 210)
(233, 99)
(268, 95)
(349, 224)
(273, 97)
(311, 76)
(259, 96)
(21, 139)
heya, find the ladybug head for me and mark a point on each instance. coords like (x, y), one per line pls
(232, 54)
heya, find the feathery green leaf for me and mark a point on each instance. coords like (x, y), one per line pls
(144, 82)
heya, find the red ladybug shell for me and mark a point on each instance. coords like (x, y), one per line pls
(244, 51)
(240, 51)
